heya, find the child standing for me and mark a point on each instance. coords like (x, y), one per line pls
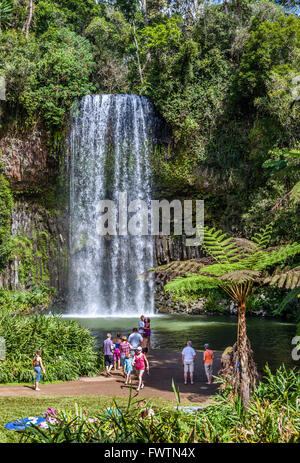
(117, 342)
(38, 368)
(124, 350)
(128, 368)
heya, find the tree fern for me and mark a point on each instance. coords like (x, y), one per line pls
(289, 279)
(192, 283)
(263, 237)
(267, 259)
(219, 246)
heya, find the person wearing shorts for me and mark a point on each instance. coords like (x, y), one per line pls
(38, 368)
(108, 354)
(135, 339)
(124, 350)
(128, 366)
(208, 359)
(140, 364)
(188, 355)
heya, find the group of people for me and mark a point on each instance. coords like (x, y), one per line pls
(188, 361)
(128, 353)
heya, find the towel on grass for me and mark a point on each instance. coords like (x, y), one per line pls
(20, 425)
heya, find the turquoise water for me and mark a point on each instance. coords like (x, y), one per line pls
(270, 339)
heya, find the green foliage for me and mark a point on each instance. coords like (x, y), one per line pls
(24, 302)
(238, 265)
(280, 388)
(62, 75)
(32, 254)
(6, 8)
(6, 207)
(274, 401)
(45, 76)
(267, 299)
(270, 44)
(68, 350)
(111, 36)
(284, 306)
(76, 14)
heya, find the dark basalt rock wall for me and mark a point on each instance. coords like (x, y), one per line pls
(39, 221)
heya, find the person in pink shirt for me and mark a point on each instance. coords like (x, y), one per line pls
(140, 364)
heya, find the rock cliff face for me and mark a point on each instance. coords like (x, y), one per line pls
(168, 248)
(26, 159)
(38, 221)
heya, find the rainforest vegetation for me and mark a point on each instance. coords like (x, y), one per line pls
(224, 76)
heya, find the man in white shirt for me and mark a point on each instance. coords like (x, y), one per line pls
(135, 339)
(188, 358)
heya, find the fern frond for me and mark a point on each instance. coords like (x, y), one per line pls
(219, 246)
(266, 259)
(240, 276)
(218, 270)
(263, 236)
(192, 284)
(288, 298)
(289, 279)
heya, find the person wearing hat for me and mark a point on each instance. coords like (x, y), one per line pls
(140, 363)
(208, 359)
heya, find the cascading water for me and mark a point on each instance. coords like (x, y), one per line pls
(111, 139)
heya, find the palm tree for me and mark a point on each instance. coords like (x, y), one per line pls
(6, 8)
(238, 267)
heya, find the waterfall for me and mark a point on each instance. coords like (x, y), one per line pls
(111, 140)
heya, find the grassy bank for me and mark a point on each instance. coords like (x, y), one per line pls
(12, 408)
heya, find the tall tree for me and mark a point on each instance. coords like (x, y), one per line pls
(237, 268)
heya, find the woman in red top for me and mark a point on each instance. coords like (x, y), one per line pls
(140, 363)
(208, 359)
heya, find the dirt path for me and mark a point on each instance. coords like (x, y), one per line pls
(164, 365)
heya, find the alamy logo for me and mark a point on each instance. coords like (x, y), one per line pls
(295, 90)
(2, 88)
(141, 218)
(296, 350)
(2, 348)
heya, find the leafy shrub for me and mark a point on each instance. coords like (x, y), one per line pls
(26, 301)
(6, 206)
(44, 76)
(266, 298)
(68, 350)
(267, 420)
(282, 387)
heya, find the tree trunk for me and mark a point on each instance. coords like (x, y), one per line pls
(144, 11)
(242, 345)
(29, 19)
(137, 54)
(225, 6)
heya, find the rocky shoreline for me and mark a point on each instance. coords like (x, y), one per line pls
(165, 304)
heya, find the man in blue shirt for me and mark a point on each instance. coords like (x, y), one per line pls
(135, 339)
